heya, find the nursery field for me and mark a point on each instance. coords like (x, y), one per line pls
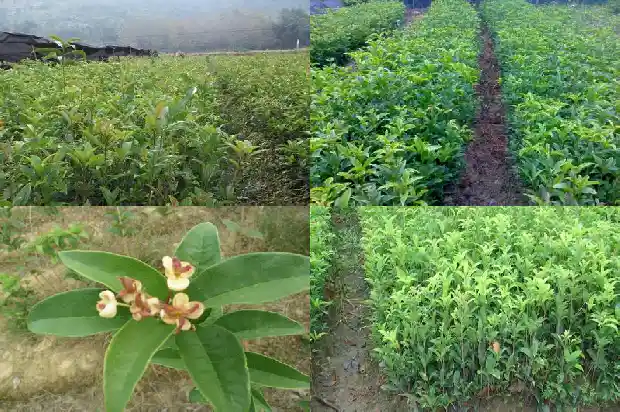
(560, 69)
(392, 130)
(489, 309)
(338, 32)
(476, 302)
(49, 373)
(506, 105)
(201, 130)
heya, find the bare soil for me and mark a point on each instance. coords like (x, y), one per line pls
(46, 373)
(489, 178)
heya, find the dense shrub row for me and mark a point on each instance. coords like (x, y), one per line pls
(144, 131)
(321, 253)
(392, 131)
(340, 31)
(470, 301)
(560, 70)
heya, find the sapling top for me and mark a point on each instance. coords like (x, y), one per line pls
(148, 311)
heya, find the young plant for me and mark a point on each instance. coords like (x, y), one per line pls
(176, 320)
(321, 253)
(10, 229)
(58, 239)
(122, 222)
(15, 300)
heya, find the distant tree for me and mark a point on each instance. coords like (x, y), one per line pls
(293, 24)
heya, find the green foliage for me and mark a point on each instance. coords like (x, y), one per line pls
(321, 254)
(11, 228)
(393, 130)
(147, 131)
(560, 76)
(237, 228)
(106, 268)
(127, 358)
(210, 349)
(337, 32)
(122, 222)
(270, 114)
(59, 239)
(15, 301)
(251, 278)
(469, 300)
(72, 314)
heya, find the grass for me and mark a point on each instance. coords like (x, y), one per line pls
(155, 131)
(472, 302)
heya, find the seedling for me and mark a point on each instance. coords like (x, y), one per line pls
(177, 319)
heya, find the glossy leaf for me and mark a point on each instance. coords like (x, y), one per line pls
(73, 314)
(251, 324)
(251, 278)
(128, 356)
(260, 404)
(214, 359)
(266, 371)
(106, 268)
(200, 246)
(169, 357)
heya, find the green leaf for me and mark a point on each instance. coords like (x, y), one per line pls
(200, 246)
(22, 197)
(251, 278)
(251, 324)
(168, 357)
(106, 268)
(343, 199)
(266, 371)
(196, 397)
(259, 400)
(73, 314)
(214, 359)
(127, 357)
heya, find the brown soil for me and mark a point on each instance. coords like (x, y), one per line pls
(344, 377)
(46, 373)
(488, 178)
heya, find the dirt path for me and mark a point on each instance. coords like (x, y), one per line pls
(344, 377)
(488, 178)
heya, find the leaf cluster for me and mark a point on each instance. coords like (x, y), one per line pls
(468, 301)
(392, 131)
(337, 32)
(321, 254)
(560, 67)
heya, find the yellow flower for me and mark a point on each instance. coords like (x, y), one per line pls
(177, 272)
(180, 311)
(107, 305)
(144, 306)
(131, 287)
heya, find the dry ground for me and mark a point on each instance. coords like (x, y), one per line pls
(61, 374)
